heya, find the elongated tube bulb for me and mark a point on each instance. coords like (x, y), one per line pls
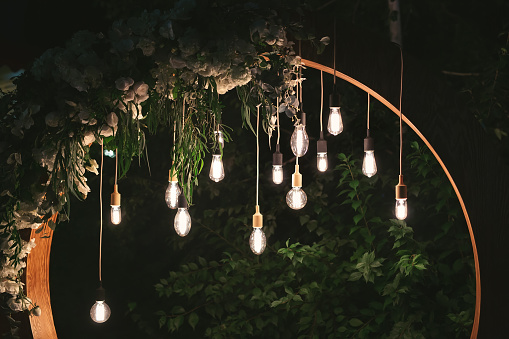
(182, 222)
(335, 123)
(321, 162)
(277, 174)
(299, 141)
(257, 240)
(216, 168)
(100, 311)
(116, 215)
(296, 198)
(369, 164)
(401, 209)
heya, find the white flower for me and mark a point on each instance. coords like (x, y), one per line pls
(123, 84)
(129, 96)
(88, 138)
(107, 131)
(15, 304)
(84, 116)
(52, 119)
(9, 286)
(82, 186)
(147, 46)
(112, 119)
(92, 166)
(177, 62)
(141, 91)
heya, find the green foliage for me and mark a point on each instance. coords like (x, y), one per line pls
(349, 270)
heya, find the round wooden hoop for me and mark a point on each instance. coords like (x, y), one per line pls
(37, 270)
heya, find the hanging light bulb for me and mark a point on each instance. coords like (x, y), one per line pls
(335, 123)
(182, 221)
(219, 137)
(116, 213)
(216, 168)
(277, 166)
(100, 311)
(369, 164)
(401, 210)
(173, 191)
(321, 154)
(257, 239)
(300, 140)
(296, 198)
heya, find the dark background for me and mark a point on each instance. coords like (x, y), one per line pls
(456, 36)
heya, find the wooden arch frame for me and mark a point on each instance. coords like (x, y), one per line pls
(37, 271)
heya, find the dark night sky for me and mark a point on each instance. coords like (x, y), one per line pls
(455, 36)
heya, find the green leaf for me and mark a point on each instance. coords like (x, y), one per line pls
(355, 322)
(193, 320)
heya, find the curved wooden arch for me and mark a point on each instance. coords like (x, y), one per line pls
(315, 65)
(37, 281)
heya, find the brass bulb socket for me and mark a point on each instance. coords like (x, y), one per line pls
(115, 196)
(296, 178)
(401, 189)
(257, 218)
(172, 176)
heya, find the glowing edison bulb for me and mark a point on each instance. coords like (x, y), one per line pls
(401, 209)
(116, 215)
(257, 240)
(216, 168)
(321, 162)
(277, 174)
(182, 222)
(100, 311)
(299, 141)
(335, 124)
(296, 198)
(172, 194)
(369, 164)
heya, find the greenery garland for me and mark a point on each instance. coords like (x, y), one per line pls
(156, 69)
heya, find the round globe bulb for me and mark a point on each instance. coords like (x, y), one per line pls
(100, 311)
(296, 198)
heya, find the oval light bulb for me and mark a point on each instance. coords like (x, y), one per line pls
(321, 162)
(277, 174)
(100, 311)
(369, 164)
(257, 240)
(335, 124)
(299, 141)
(401, 209)
(116, 214)
(216, 168)
(172, 194)
(296, 198)
(182, 222)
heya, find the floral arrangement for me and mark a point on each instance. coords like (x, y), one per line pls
(161, 68)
